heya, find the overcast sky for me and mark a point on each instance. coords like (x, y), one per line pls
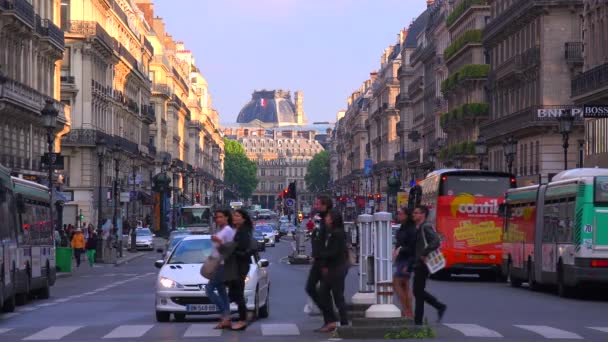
(324, 47)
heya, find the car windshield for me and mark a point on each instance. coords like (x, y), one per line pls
(264, 229)
(175, 241)
(143, 231)
(258, 235)
(191, 252)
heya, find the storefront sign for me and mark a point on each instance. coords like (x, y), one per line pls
(595, 112)
(587, 112)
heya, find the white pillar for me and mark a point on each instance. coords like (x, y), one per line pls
(366, 294)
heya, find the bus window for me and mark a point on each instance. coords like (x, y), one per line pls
(601, 190)
(479, 186)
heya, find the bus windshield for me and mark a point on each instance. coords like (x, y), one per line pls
(196, 216)
(601, 189)
(475, 185)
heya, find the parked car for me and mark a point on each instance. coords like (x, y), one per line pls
(180, 287)
(259, 237)
(268, 233)
(144, 239)
(286, 228)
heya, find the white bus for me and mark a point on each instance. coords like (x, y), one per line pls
(196, 217)
(8, 242)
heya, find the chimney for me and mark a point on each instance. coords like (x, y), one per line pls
(148, 9)
(299, 99)
(373, 75)
(429, 3)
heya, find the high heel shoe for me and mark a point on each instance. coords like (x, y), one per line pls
(240, 326)
(328, 328)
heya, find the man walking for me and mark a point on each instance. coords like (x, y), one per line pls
(323, 205)
(427, 241)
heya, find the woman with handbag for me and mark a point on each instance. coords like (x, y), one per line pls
(216, 277)
(403, 260)
(427, 242)
(334, 268)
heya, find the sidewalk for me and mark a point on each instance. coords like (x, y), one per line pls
(85, 268)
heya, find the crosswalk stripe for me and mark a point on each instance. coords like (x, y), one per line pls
(280, 329)
(550, 332)
(202, 330)
(602, 329)
(473, 330)
(52, 333)
(129, 331)
(4, 330)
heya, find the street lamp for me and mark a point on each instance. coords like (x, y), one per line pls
(49, 119)
(432, 157)
(510, 149)
(101, 151)
(481, 149)
(565, 128)
(174, 175)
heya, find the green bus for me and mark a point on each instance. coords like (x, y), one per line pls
(557, 233)
(8, 242)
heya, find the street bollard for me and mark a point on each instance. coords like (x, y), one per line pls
(383, 270)
(365, 295)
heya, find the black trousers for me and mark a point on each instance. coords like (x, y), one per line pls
(421, 273)
(333, 286)
(77, 254)
(237, 295)
(314, 277)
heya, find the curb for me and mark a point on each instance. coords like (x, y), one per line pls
(62, 275)
(128, 258)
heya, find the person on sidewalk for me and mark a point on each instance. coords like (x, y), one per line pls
(91, 245)
(427, 241)
(78, 245)
(223, 219)
(403, 261)
(334, 268)
(317, 239)
(237, 256)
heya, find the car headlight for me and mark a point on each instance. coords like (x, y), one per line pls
(170, 283)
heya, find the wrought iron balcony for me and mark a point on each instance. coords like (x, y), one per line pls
(162, 89)
(515, 66)
(416, 86)
(124, 53)
(86, 137)
(148, 45)
(91, 29)
(22, 9)
(152, 150)
(126, 145)
(25, 98)
(68, 79)
(590, 81)
(413, 157)
(196, 124)
(574, 53)
(121, 14)
(54, 33)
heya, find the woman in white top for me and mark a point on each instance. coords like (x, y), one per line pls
(223, 219)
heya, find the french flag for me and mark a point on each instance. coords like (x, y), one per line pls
(263, 102)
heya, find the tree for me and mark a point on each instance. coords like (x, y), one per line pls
(317, 174)
(239, 171)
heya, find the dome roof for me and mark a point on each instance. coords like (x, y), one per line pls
(269, 106)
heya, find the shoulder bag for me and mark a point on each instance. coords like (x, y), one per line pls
(435, 261)
(210, 266)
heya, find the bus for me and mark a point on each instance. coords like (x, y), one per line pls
(35, 240)
(463, 208)
(236, 205)
(8, 242)
(555, 233)
(196, 217)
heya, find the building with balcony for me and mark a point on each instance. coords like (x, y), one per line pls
(464, 88)
(530, 45)
(590, 87)
(31, 47)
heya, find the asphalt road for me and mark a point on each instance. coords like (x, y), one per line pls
(108, 302)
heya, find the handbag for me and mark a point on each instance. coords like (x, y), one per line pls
(435, 261)
(210, 266)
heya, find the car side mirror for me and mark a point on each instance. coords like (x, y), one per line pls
(264, 263)
(159, 263)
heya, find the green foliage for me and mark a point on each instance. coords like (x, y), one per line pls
(461, 8)
(317, 174)
(471, 36)
(468, 111)
(239, 170)
(464, 148)
(467, 72)
(412, 333)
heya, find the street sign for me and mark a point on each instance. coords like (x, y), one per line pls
(125, 197)
(290, 202)
(56, 158)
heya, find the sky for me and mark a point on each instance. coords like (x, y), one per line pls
(326, 48)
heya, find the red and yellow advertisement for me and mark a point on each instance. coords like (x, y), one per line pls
(469, 222)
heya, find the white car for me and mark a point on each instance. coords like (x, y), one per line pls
(269, 233)
(180, 288)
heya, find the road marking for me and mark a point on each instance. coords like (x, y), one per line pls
(129, 331)
(9, 315)
(5, 330)
(29, 308)
(45, 304)
(473, 330)
(202, 330)
(602, 329)
(52, 333)
(280, 329)
(550, 332)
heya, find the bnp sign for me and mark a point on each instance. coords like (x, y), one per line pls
(587, 112)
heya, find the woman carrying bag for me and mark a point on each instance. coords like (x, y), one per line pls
(403, 261)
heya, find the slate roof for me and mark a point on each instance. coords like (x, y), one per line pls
(411, 41)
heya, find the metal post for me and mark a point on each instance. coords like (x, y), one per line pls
(565, 137)
(116, 196)
(50, 163)
(99, 210)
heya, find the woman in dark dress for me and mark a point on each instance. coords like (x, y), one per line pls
(403, 260)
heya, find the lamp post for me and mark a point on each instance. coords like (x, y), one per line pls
(432, 157)
(510, 149)
(565, 128)
(101, 151)
(174, 175)
(49, 118)
(481, 149)
(116, 152)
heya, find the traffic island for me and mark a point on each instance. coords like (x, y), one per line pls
(384, 328)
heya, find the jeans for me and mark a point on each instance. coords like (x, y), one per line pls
(91, 256)
(220, 299)
(237, 293)
(314, 277)
(421, 273)
(77, 253)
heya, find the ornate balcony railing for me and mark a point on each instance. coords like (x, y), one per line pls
(68, 79)
(574, 53)
(54, 33)
(25, 97)
(148, 45)
(590, 81)
(86, 137)
(152, 150)
(121, 14)
(516, 65)
(124, 52)
(90, 29)
(23, 10)
(161, 88)
(196, 124)
(126, 145)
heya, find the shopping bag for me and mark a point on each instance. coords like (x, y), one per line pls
(435, 261)
(210, 266)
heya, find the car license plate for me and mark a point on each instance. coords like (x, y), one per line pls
(476, 256)
(201, 308)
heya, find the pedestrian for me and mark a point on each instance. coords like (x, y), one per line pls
(323, 205)
(310, 225)
(334, 268)
(223, 219)
(237, 256)
(91, 245)
(427, 241)
(403, 260)
(78, 245)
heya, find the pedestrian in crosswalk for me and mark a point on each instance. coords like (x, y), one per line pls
(91, 245)
(427, 241)
(226, 234)
(403, 260)
(78, 245)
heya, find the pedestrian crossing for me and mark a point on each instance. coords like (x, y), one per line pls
(198, 330)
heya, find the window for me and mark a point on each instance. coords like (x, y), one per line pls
(601, 189)
(65, 64)
(65, 12)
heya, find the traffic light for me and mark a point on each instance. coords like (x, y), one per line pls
(378, 197)
(370, 196)
(286, 193)
(81, 217)
(197, 197)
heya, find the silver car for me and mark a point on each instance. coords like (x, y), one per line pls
(144, 239)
